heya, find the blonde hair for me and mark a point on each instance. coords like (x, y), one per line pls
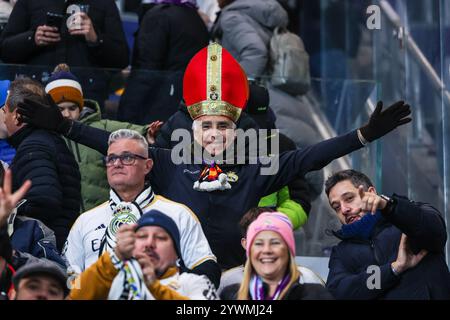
(294, 273)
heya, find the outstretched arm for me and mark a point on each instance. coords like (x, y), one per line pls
(48, 117)
(315, 157)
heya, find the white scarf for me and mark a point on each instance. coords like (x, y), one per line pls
(129, 283)
(123, 212)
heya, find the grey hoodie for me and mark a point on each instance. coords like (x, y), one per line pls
(244, 28)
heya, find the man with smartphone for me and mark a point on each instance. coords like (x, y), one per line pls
(34, 36)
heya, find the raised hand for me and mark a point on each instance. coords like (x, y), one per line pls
(383, 122)
(126, 238)
(152, 130)
(370, 201)
(46, 35)
(406, 259)
(8, 200)
(81, 25)
(148, 269)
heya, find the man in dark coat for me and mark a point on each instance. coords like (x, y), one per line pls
(169, 35)
(215, 104)
(391, 248)
(94, 39)
(43, 158)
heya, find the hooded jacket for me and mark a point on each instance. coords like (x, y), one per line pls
(245, 27)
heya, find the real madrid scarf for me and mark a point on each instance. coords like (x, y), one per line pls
(129, 283)
(123, 212)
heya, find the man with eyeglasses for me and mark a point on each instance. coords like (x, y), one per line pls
(216, 91)
(66, 91)
(127, 164)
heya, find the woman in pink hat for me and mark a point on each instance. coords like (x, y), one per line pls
(270, 272)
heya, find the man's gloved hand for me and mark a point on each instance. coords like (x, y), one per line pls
(45, 116)
(383, 122)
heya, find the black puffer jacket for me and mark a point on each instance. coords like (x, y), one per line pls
(55, 194)
(18, 45)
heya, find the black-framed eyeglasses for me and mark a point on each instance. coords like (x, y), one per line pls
(126, 159)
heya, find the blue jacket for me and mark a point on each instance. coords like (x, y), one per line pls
(33, 237)
(219, 212)
(425, 229)
(6, 151)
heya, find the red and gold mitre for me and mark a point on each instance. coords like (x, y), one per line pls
(215, 84)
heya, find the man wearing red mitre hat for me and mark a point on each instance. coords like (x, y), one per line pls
(215, 91)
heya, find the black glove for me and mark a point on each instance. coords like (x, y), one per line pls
(45, 116)
(383, 122)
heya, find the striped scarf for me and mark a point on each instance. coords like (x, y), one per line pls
(129, 283)
(123, 213)
(258, 289)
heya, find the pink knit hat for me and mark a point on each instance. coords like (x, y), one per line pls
(272, 221)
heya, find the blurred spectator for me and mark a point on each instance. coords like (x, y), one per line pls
(81, 40)
(170, 33)
(151, 253)
(208, 10)
(391, 248)
(5, 11)
(270, 272)
(233, 277)
(245, 27)
(43, 158)
(94, 232)
(40, 280)
(67, 93)
(6, 151)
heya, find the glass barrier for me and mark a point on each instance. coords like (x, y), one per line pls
(330, 107)
(403, 47)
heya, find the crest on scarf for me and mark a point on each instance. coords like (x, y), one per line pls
(232, 176)
(123, 214)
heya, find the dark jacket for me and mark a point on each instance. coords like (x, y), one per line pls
(168, 37)
(425, 229)
(55, 196)
(298, 291)
(219, 212)
(18, 45)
